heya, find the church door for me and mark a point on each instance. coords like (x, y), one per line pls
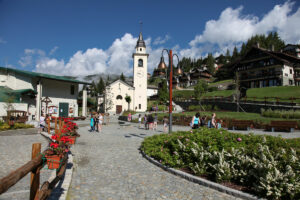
(63, 109)
(118, 109)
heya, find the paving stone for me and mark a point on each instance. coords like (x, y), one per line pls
(109, 165)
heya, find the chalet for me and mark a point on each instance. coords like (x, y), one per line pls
(38, 93)
(266, 68)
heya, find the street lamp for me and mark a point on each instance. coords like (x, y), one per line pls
(162, 65)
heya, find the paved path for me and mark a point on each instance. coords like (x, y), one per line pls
(15, 151)
(108, 165)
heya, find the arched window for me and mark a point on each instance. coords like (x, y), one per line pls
(119, 97)
(140, 62)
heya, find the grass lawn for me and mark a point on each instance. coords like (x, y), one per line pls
(224, 93)
(220, 82)
(284, 92)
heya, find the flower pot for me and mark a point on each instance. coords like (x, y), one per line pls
(72, 139)
(53, 161)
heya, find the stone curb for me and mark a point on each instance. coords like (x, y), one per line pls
(201, 181)
(62, 187)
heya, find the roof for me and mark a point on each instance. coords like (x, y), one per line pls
(41, 75)
(13, 95)
(121, 82)
(152, 87)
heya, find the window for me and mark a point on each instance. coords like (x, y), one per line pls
(119, 97)
(291, 71)
(291, 82)
(72, 89)
(140, 49)
(140, 106)
(140, 62)
(286, 74)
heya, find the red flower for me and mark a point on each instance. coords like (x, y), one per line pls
(64, 139)
(54, 137)
(54, 145)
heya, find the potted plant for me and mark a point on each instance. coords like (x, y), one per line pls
(54, 155)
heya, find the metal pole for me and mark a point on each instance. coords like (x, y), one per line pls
(170, 90)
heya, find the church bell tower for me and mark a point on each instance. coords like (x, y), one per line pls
(140, 60)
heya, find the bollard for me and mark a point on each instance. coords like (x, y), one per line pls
(35, 174)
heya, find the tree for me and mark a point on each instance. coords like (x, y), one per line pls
(235, 54)
(210, 62)
(100, 86)
(122, 77)
(128, 100)
(163, 92)
(200, 89)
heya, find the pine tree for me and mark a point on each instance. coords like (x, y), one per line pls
(210, 62)
(100, 86)
(235, 54)
(122, 77)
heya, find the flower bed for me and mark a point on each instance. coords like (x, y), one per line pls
(266, 166)
(5, 126)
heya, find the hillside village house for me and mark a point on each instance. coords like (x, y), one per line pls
(265, 68)
(38, 93)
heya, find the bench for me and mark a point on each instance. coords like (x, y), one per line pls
(241, 124)
(282, 125)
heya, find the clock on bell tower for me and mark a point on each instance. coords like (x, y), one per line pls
(140, 58)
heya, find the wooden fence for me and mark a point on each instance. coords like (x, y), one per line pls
(34, 166)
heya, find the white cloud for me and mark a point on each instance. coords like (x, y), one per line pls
(30, 55)
(53, 50)
(233, 27)
(160, 40)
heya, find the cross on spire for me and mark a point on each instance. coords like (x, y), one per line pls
(141, 26)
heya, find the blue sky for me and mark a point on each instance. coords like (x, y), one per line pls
(72, 37)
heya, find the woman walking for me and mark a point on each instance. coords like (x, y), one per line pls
(92, 124)
(165, 122)
(155, 121)
(140, 121)
(196, 121)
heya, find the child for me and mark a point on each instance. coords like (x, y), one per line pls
(219, 124)
(145, 122)
(92, 124)
(165, 121)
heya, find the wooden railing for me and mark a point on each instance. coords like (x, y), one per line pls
(34, 166)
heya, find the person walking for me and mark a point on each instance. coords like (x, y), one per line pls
(196, 121)
(150, 121)
(146, 122)
(96, 118)
(165, 122)
(42, 122)
(92, 124)
(140, 121)
(213, 121)
(155, 122)
(129, 117)
(100, 118)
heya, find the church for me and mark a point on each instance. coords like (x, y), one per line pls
(116, 92)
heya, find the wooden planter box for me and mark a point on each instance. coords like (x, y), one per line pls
(53, 161)
(72, 139)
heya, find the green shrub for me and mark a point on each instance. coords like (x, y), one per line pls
(268, 166)
(212, 89)
(286, 114)
(5, 126)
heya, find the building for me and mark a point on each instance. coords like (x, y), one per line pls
(117, 91)
(38, 93)
(266, 68)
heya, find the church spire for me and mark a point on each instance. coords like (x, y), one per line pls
(140, 42)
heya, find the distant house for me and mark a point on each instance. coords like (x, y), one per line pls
(38, 93)
(266, 68)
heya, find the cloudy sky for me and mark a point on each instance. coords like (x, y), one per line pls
(78, 37)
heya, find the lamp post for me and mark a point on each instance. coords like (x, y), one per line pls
(162, 65)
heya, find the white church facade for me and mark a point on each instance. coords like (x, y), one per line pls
(116, 92)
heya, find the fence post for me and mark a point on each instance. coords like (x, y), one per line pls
(55, 125)
(35, 174)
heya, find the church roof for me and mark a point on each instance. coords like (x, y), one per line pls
(140, 42)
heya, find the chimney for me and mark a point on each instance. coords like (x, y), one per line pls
(257, 44)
